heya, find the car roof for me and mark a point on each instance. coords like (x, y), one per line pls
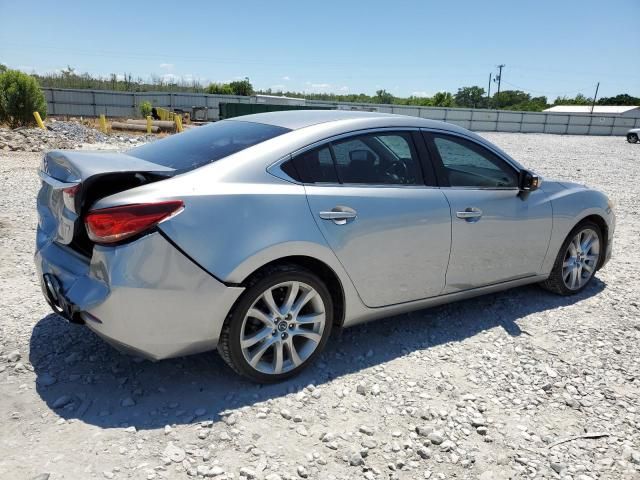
(296, 119)
(343, 121)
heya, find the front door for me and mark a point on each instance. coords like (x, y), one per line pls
(498, 233)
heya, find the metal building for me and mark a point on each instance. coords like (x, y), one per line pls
(620, 110)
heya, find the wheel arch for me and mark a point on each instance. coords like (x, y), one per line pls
(322, 270)
(604, 230)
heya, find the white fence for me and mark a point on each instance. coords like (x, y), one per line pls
(92, 103)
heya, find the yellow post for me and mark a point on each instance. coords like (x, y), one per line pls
(178, 120)
(149, 123)
(36, 115)
(103, 123)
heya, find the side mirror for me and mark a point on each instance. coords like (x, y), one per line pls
(529, 181)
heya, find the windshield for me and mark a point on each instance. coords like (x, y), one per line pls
(202, 145)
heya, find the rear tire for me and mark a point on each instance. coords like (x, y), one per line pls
(632, 138)
(577, 260)
(279, 325)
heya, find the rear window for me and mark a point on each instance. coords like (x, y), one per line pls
(202, 145)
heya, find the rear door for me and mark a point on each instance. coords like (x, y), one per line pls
(498, 234)
(389, 229)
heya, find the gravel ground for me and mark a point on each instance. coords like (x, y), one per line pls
(486, 388)
(64, 135)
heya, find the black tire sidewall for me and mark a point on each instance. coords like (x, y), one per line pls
(247, 300)
(557, 269)
(632, 138)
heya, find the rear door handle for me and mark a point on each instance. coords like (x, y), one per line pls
(470, 214)
(339, 215)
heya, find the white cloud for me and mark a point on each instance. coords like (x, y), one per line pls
(167, 66)
(320, 86)
(286, 78)
(169, 77)
(277, 88)
(344, 88)
(421, 94)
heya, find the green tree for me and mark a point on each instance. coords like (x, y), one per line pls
(414, 100)
(621, 99)
(3, 68)
(219, 89)
(537, 104)
(242, 87)
(20, 96)
(442, 99)
(470, 97)
(508, 99)
(579, 99)
(382, 96)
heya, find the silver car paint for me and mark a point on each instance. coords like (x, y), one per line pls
(238, 217)
(508, 241)
(143, 296)
(571, 204)
(401, 237)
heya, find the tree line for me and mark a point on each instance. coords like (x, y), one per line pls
(465, 97)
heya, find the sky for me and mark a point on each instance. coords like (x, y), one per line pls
(551, 48)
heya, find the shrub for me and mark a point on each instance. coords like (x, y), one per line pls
(145, 109)
(20, 96)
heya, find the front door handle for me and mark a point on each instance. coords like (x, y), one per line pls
(470, 214)
(339, 215)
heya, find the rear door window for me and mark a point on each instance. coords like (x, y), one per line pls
(316, 166)
(202, 145)
(369, 159)
(378, 159)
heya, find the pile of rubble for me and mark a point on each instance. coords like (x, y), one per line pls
(63, 135)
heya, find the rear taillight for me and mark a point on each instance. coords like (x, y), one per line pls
(110, 225)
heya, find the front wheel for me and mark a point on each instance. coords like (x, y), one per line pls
(280, 324)
(577, 260)
(632, 138)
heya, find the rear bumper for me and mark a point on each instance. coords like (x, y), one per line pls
(144, 296)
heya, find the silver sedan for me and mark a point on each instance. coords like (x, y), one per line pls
(260, 234)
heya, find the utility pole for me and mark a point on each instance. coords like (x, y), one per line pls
(489, 90)
(594, 98)
(499, 76)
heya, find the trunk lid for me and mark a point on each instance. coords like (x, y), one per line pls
(73, 180)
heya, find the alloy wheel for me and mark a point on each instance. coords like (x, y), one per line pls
(581, 259)
(282, 328)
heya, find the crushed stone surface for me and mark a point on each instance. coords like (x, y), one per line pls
(65, 135)
(520, 384)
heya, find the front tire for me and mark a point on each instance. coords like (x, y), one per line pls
(279, 326)
(632, 138)
(577, 260)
